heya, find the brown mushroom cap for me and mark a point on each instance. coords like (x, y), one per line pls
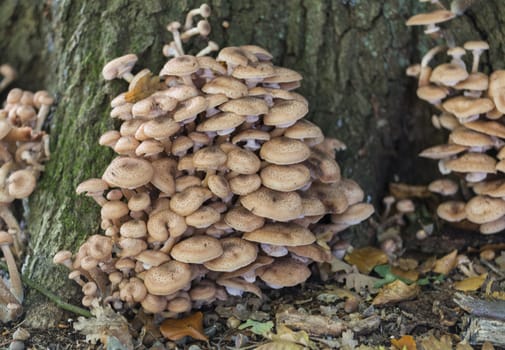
(354, 214)
(126, 172)
(432, 93)
(152, 257)
(492, 227)
(312, 251)
(255, 72)
(494, 188)
(211, 157)
(114, 210)
(283, 75)
(279, 206)
(482, 209)
(452, 211)
(190, 108)
(285, 113)
(243, 220)
(244, 184)
(233, 56)
(118, 66)
(164, 172)
(164, 224)
(197, 249)
(245, 106)
(489, 128)
(466, 137)
(230, 87)
(243, 161)
(285, 178)
(281, 234)
(188, 201)
(463, 107)
(168, 278)
(237, 253)
(203, 217)
(133, 229)
(284, 272)
(475, 81)
(448, 74)
(445, 187)
(284, 151)
(221, 122)
(179, 66)
(442, 151)
(21, 183)
(434, 17)
(304, 129)
(472, 163)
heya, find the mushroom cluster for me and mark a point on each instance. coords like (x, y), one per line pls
(23, 149)
(219, 185)
(471, 106)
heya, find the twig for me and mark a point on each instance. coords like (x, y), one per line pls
(482, 308)
(51, 296)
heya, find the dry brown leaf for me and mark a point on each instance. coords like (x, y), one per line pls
(445, 264)
(280, 345)
(411, 275)
(366, 258)
(406, 342)
(192, 326)
(470, 284)
(407, 264)
(357, 281)
(403, 191)
(432, 343)
(395, 292)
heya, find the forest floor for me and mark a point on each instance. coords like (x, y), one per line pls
(329, 315)
(441, 289)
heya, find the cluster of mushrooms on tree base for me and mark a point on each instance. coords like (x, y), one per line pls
(24, 147)
(219, 187)
(472, 106)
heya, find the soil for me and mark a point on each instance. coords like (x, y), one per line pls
(432, 312)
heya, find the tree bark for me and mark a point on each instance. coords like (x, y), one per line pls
(352, 54)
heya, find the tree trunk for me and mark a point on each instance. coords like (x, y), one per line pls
(352, 54)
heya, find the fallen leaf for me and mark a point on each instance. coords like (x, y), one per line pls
(192, 326)
(470, 284)
(445, 264)
(366, 258)
(432, 343)
(411, 275)
(280, 345)
(357, 281)
(406, 342)
(286, 334)
(395, 292)
(259, 328)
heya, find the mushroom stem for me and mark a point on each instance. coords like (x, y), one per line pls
(475, 62)
(9, 75)
(41, 116)
(203, 10)
(173, 27)
(170, 50)
(424, 77)
(15, 278)
(13, 227)
(211, 46)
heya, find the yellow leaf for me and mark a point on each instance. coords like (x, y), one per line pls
(175, 329)
(406, 342)
(287, 335)
(366, 258)
(445, 264)
(411, 275)
(395, 292)
(470, 284)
